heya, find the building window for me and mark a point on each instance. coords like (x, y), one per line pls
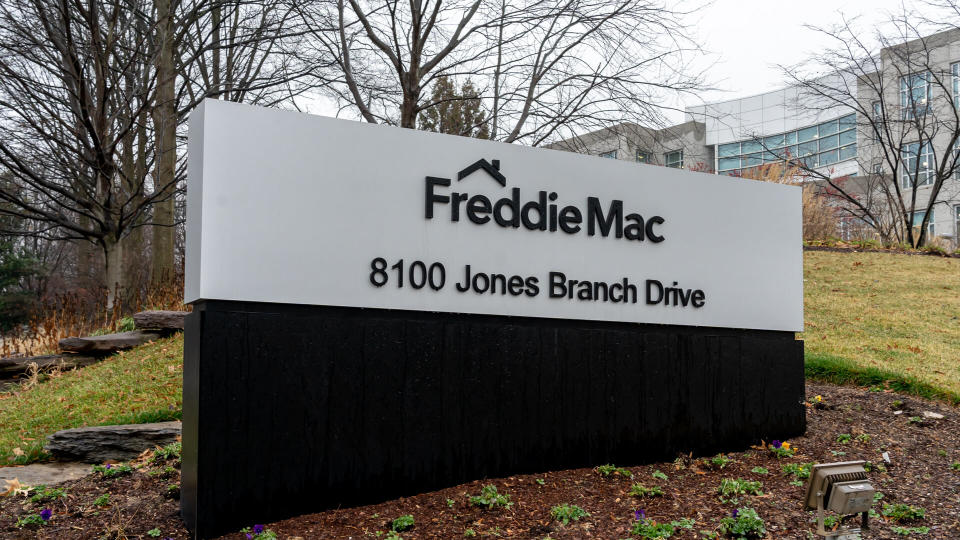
(956, 223)
(610, 155)
(644, 157)
(674, 159)
(955, 71)
(915, 95)
(819, 145)
(918, 220)
(917, 165)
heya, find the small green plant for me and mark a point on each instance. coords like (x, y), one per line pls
(902, 512)
(112, 471)
(683, 523)
(796, 483)
(469, 533)
(393, 535)
(844, 438)
(126, 324)
(915, 420)
(719, 461)
(760, 470)
(642, 491)
(607, 470)
(259, 532)
(40, 519)
(490, 498)
(402, 523)
(730, 487)
(942, 453)
(659, 475)
(838, 453)
(450, 503)
(168, 452)
(955, 465)
(896, 405)
(781, 449)
(907, 531)
(648, 528)
(154, 532)
(565, 513)
(801, 471)
(102, 500)
(744, 523)
(42, 494)
(541, 482)
(864, 438)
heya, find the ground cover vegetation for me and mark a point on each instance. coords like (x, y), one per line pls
(883, 319)
(756, 494)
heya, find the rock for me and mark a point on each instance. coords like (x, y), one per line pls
(897, 412)
(107, 343)
(101, 443)
(160, 320)
(933, 415)
(11, 366)
(48, 474)
(886, 456)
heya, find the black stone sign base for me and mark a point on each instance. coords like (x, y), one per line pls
(296, 409)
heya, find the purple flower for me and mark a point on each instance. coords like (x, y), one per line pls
(735, 513)
(777, 444)
(249, 536)
(257, 529)
(108, 466)
(639, 514)
(45, 514)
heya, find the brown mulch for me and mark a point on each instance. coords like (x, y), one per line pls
(919, 474)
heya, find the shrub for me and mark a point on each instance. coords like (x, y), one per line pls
(402, 523)
(744, 523)
(490, 498)
(565, 513)
(639, 490)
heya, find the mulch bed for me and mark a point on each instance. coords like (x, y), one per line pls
(919, 474)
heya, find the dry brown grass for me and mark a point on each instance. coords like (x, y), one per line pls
(819, 217)
(83, 313)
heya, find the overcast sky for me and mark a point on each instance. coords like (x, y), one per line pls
(746, 39)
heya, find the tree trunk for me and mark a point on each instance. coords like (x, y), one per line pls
(113, 281)
(165, 125)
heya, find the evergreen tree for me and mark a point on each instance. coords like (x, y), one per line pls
(16, 299)
(455, 113)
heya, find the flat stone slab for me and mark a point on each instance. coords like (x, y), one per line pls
(19, 365)
(160, 320)
(101, 443)
(48, 474)
(107, 343)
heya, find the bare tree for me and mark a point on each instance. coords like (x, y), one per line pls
(71, 93)
(900, 85)
(541, 67)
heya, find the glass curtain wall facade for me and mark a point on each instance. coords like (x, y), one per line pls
(818, 146)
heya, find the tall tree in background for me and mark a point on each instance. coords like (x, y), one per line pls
(900, 84)
(546, 68)
(165, 143)
(453, 112)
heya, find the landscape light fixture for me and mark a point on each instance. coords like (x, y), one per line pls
(842, 488)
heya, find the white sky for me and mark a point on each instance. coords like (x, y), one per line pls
(746, 40)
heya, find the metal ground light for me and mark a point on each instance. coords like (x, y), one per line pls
(842, 488)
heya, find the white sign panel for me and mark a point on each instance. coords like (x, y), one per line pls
(292, 208)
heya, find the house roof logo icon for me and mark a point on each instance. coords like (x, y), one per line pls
(491, 167)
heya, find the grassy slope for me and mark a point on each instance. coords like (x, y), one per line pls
(142, 385)
(872, 317)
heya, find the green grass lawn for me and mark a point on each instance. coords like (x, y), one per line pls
(142, 385)
(873, 319)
